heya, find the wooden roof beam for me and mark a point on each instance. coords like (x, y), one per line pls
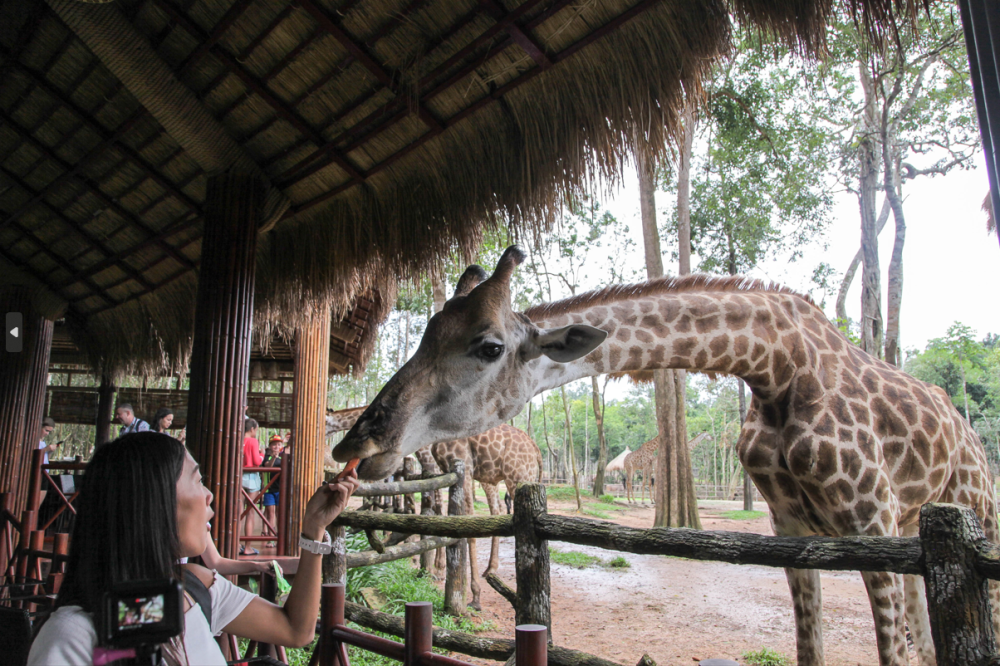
(130, 57)
(103, 133)
(609, 27)
(78, 227)
(255, 85)
(227, 20)
(92, 187)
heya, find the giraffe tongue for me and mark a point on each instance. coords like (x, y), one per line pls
(351, 464)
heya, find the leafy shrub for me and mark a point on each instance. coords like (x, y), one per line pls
(607, 499)
(765, 657)
(619, 563)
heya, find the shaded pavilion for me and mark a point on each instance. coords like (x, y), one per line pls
(177, 174)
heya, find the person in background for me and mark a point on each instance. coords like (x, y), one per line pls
(162, 421)
(271, 459)
(48, 425)
(251, 480)
(130, 422)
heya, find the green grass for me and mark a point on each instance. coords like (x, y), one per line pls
(765, 657)
(561, 493)
(619, 563)
(743, 515)
(604, 506)
(607, 499)
(574, 558)
(597, 514)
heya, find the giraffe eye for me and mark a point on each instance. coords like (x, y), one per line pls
(490, 351)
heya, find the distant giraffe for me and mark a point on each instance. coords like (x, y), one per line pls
(502, 454)
(642, 460)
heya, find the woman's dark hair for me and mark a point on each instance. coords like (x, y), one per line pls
(160, 413)
(249, 424)
(126, 522)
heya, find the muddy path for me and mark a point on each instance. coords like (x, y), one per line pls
(680, 611)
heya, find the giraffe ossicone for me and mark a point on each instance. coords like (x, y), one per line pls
(838, 443)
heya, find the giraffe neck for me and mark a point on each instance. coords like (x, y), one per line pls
(343, 419)
(755, 335)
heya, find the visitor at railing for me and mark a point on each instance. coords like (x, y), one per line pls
(122, 534)
(48, 425)
(163, 419)
(271, 459)
(251, 480)
(130, 422)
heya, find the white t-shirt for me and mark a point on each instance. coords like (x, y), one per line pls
(68, 638)
(45, 456)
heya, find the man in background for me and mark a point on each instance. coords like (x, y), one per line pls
(130, 422)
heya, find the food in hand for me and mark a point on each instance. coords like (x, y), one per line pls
(351, 464)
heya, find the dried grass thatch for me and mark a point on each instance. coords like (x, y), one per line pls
(474, 136)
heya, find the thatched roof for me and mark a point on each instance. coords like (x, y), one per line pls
(398, 129)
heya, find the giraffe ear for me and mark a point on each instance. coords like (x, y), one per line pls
(566, 344)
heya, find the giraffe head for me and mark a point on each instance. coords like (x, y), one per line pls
(472, 371)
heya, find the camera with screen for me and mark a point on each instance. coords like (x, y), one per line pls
(136, 618)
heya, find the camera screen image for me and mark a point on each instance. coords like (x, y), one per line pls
(139, 611)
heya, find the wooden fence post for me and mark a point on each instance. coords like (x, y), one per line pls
(427, 509)
(457, 554)
(335, 564)
(531, 558)
(957, 595)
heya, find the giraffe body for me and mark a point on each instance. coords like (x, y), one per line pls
(838, 442)
(641, 460)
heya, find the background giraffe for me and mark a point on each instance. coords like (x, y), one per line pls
(642, 460)
(502, 454)
(839, 443)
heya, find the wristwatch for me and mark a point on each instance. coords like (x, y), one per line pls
(324, 547)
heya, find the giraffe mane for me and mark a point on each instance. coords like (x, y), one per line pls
(697, 282)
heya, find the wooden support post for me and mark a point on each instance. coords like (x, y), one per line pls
(531, 558)
(958, 599)
(284, 490)
(531, 645)
(220, 355)
(456, 555)
(19, 402)
(105, 411)
(427, 509)
(418, 629)
(312, 369)
(335, 564)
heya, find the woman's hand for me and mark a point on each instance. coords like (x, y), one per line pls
(326, 504)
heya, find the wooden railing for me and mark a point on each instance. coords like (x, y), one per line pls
(951, 553)
(280, 478)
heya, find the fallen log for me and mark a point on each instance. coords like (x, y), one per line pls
(459, 527)
(896, 554)
(496, 649)
(398, 552)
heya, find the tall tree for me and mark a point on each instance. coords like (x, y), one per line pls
(674, 496)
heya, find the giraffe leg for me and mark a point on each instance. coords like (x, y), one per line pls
(916, 611)
(493, 500)
(473, 561)
(885, 592)
(807, 602)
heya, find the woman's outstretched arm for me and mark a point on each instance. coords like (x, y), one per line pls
(294, 625)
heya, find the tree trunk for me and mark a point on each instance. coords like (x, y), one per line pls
(672, 495)
(571, 454)
(602, 452)
(684, 190)
(845, 284)
(894, 298)
(871, 296)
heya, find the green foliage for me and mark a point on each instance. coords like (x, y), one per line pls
(744, 515)
(608, 499)
(573, 558)
(619, 563)
(765, 657)
(597, 514)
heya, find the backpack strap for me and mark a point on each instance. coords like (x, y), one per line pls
(200, 593)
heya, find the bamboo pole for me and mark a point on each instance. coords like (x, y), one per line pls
(220, 356)
(312, 369)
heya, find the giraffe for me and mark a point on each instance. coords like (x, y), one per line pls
(503, 454)
(838, 443)
(642, 459)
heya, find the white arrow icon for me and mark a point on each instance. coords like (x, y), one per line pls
(14, 331)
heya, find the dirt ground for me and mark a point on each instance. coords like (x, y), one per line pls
(681, 611)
